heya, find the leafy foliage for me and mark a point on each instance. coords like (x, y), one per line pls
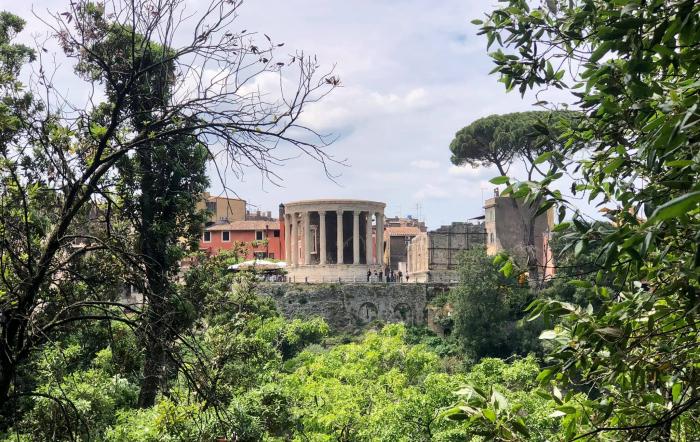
(99, 196)
(499, 140)
(488, 310)
(575, 272)
(634, 69)
(502, 402)
(377, 389)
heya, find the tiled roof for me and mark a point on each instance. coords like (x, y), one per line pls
(245, 225)
(402, 231)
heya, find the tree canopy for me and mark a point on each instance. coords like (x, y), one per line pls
(633, 68)
(96, 196)
(488, 310)
(499, 140)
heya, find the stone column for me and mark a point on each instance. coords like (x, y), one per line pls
(339, 239)
(368, 239)
(287, 239)
(307, 238)
(322, 236)
(380, 238)
(356, 237)
(294, 240)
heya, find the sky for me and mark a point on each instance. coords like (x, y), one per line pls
(413, 72)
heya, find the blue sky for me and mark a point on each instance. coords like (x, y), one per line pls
(413, 72)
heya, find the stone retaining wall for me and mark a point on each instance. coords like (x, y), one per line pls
(348, 306)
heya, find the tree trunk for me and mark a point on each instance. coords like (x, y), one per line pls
(7, 373)
(157, 234)
(154, 362)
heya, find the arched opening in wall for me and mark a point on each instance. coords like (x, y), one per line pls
(404, 313)
(368, 312)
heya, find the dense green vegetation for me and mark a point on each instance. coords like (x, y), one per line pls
(255, 376)
(633, 68)
(273, 385)
(489, 310)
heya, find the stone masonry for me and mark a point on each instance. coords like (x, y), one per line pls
(434, 256)
(349, 306)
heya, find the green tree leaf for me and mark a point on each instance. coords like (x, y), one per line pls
(676, 207)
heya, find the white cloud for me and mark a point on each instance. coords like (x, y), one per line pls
(431, 191)
(393, 102)
(465, 171)
(411, 77)
(425, 164)
(351, 106)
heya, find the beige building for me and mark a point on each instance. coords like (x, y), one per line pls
(507, 228)
(434, 256)
(398, 233)
(222, 209)
(332, 239)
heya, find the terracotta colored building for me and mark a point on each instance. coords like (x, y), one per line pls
(262, 239)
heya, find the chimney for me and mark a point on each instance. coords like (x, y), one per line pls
(495, 192)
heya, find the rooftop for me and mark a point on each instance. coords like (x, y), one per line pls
(402, 230)
(245, 225)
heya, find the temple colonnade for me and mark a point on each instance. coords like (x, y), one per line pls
(334, 233)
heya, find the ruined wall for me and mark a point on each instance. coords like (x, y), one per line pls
(347, 306)
(447, 242)
(506, 223)
(434, 256)
(417, 252)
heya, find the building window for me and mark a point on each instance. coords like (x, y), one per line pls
(276, 233)
(491, 239)
(259, 235)
(206, 237)
(211, 207)
(225, 236)
(260, 255)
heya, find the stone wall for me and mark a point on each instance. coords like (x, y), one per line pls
(506, 227)
(434, 256)
(348, 306)
(417, 252)
(447, 242)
